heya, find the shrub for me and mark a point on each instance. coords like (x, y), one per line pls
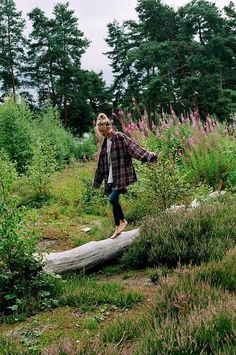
(220, 273)
(159, 186)
(8, 177)
(50, 128)
(93, 200)
(41, 168)
(209, 331)
(85, 147)
(24, 286)
(16, 136)
(190, 236)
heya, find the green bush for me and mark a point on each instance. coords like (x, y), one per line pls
(159, 186)
(8, 177)
(184, 237)
(93, 200)
(42, 167)
(85, 147)
(49, 127)
(24, 286)
(16, 135)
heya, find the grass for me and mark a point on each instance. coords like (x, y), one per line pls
(187, 310)
(87, 293)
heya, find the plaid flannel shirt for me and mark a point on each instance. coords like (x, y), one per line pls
(123, 149)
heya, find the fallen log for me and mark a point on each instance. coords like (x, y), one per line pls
(90, 254)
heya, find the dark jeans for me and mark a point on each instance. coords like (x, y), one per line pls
(116, 207)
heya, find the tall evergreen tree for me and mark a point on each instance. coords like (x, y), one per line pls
(42, 57)
(12, 43)
(185, 58)
(69, 45)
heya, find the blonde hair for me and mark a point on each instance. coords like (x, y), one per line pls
(103, 119)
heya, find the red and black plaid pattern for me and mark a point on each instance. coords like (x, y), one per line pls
(123, 149)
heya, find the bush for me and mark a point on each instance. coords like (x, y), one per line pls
(93, 200)
(85, 147)
(50, 128)
(220, 273)
(16, 137)
(24, 286)
(186, 237)
(209, 331)
(41, 168)
(8, 177)
(159, 186)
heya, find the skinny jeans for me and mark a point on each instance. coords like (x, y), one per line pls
(116, 207)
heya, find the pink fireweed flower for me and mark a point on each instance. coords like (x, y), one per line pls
(171, 122)
(196, 115)
(192, 141)
(182, 119)
(121, 113)
(172, 112)
(163, 123)
(163, 115)
(129, 115)
(202, 130)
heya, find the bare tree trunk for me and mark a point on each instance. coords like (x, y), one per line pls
(90, 254)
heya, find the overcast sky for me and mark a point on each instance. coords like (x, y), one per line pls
(94, 15)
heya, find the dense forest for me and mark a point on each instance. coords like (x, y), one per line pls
(181, 59)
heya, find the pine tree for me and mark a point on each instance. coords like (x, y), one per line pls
(12, 43)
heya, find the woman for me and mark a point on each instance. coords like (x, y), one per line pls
(115, 166)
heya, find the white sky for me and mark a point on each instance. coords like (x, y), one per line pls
(94, 15)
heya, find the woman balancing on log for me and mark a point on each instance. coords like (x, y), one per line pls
(115, 166)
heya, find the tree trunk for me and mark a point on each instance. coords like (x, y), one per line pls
(90, 254)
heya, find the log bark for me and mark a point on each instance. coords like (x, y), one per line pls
(90, 254)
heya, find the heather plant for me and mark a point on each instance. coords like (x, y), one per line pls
(220, 273)
(185, 237)
(16, 136)
(210, 331)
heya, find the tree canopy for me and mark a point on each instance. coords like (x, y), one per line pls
(182, 58)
